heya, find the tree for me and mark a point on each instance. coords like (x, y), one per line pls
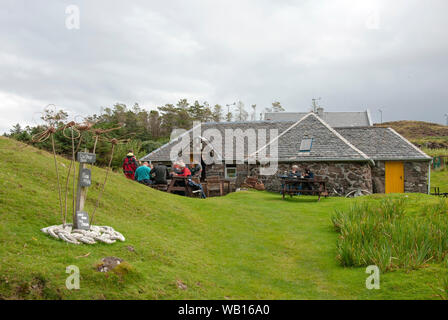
(241, 113)
(217, 113)
(154, 124)
(208, 113)
(196, 111)
(16, 129)
(277, 107)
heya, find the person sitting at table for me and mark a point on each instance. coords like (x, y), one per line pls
(195, 169)
(294, 173)
(308, 175)
(181, 170)
(142, 174)
(160, 173)
(151, 166)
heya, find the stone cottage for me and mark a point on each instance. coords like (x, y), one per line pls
(375, 159)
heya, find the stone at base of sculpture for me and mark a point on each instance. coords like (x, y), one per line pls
(95, 234)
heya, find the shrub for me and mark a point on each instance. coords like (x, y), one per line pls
(386, 236)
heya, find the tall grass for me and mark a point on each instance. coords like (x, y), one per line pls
(386, 236)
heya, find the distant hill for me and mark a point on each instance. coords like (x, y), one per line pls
(423, 134)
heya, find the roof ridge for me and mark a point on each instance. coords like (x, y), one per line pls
(342, 138)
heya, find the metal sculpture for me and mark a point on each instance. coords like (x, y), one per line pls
(81, 230)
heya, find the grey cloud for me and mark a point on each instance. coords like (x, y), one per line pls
(155, 52)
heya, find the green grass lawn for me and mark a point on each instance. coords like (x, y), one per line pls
(439, 178)
(246, 245)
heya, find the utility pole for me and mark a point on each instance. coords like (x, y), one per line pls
(446, 119)
(381, 115)
(228, 106)
(254, 114)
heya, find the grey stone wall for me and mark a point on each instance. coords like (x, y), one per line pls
(340, 176)
(378, 177)
(416, 176)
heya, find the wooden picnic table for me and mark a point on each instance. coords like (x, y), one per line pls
(291, 186)
(180, 184)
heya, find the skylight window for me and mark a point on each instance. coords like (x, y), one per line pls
(306, 144)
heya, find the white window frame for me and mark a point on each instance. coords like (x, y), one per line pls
(306, 150)
(227, 173)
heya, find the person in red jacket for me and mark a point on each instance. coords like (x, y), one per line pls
(181, 170)
(130, 164)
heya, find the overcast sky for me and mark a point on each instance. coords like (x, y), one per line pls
(355, 55)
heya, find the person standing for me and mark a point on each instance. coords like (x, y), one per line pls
(143, 174)
(130, 164)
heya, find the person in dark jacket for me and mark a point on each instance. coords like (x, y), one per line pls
(295, 173)
(308, 175)
(159, 173)
(195, 169)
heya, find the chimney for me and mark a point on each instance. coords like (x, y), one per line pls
(320, 112)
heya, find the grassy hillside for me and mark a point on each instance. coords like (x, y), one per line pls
(417, 129)
(247, 245)
(431, 137)
(439, 178)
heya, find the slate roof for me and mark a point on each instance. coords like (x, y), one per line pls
(329, 144)
(382, 143)
(334, 119)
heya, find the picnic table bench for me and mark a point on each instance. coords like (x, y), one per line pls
(160, 187)
(291, 186)
(180, 184)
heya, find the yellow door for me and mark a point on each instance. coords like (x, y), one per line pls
(394, 177)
